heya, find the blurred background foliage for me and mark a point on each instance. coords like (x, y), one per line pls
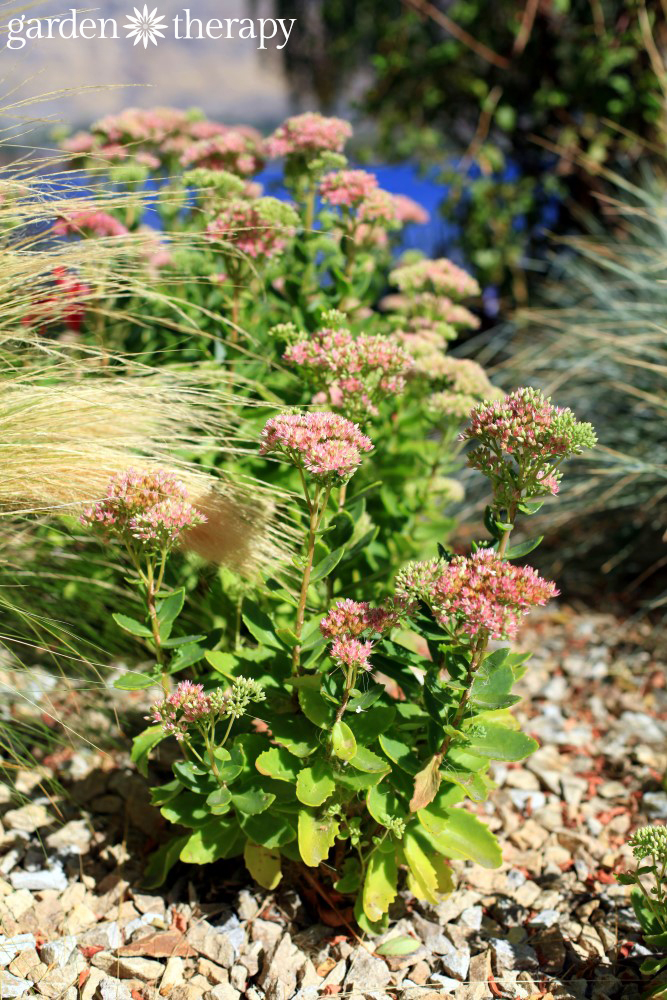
(495, 99)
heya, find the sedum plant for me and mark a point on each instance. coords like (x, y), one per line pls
(344, 736)
(649, 900)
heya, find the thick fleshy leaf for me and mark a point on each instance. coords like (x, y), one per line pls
(427, 783)
(369, 762)
(400, 753)
(398, 946)
(384, 805)
(196, 778)
(315, 784)
(260, 626)
(319, 711)
(371, 927)
(263, 864)
(493, 685)
(165, 793)
(252, 801)
(499, 743)
(295, 733)
(380, 883)
(132, 626)
(278, 763)
(351, 877)
(142, 746)
(317, 835)
(458, 834)
(219, 838)
(368, 725)
(219, 801)
(343, 742)
(188, 809)
(162, 861)
(417, 852)
(272, 835)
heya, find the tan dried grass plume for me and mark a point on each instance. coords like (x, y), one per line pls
(61, 443)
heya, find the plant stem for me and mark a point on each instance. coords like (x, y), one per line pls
(315, 520)
(153, 588)
(349, 684)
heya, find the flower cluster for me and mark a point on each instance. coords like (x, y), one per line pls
(232, 704)
(355, 372)
(259, 229)
(64, 305)
(348, 187)
(190, 707)
(352, 618)
(178, 711)
(149, 507)
(89, 222)
(348, 621)
(309, 134)
(440, 276)
(522, 440)
(408, 211)
(467, 385)
(238, 150)
(650, 841)
(326, 445)
(481, 595)
(351, 653)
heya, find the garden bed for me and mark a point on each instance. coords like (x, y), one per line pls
(552, 921)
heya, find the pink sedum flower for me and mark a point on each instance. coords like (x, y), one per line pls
(347, 187)
(442, 276)
(355, 373)
(149, 507)
(326, 445)
(353, 618)
(408, 211)
(525, 435)
(260, 229)
(178, 711)
(478, 595)
(307, 135)
(232, 149)
(89, 223)
(352, 653)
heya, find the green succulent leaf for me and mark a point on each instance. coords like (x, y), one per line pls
(399, 946)
(278, 763)
(142, 746)
(133, 681)
(188, 809)
(315, 784)
(271, 835)
(458, 834)
(263, 864)
(498, 742)
(260, 626)
(217, 839)
(219, 801)
(369, 762)
(380, 884)
(317, 835)
(132, 626)
(343, 742)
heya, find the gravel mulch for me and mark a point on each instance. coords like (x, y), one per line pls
(552, 923)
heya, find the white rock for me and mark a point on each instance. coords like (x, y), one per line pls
(10, 947)
(457, 963)
(547, 918)
(59, 951)
(173, 975)
(72, 838)
(223, 991)
(12, 986)
(472, 917)
(28, 818)
(111, 988)
(47, 878)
